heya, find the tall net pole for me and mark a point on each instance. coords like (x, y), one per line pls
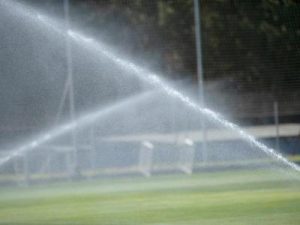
(200, 73)
(69, 58)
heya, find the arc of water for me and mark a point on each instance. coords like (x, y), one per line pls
(67, 127)
(156, 80)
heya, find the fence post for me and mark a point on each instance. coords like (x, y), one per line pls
(276, 120)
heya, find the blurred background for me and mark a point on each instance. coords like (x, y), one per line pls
(246, 66)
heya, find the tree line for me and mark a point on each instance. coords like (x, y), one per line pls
(251, 44)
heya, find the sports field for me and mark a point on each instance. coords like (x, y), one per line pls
(243, 197)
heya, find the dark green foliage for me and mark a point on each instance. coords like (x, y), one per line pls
(255, 43)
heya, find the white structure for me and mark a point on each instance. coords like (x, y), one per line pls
(186, 156)
(145, 158)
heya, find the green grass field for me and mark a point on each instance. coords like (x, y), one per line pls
(243, 197)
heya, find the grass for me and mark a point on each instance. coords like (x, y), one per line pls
(242, 197)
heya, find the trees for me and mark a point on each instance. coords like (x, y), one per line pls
(255, 42)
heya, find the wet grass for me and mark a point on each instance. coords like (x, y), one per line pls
(244, 197)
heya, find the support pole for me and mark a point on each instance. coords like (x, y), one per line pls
(62, 100)
(200, 74)
(93, 153)
(74, 167)
(276, 120)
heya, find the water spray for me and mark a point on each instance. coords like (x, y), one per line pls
(155, 79)
(81, 122)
